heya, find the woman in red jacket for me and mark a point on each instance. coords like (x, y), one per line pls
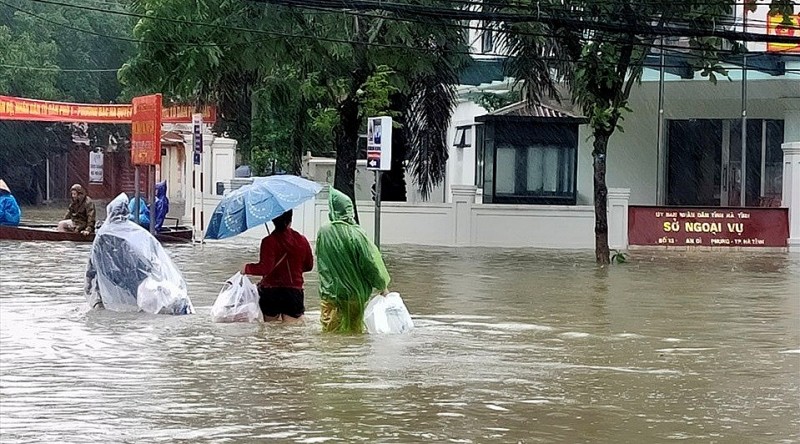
(285, 256)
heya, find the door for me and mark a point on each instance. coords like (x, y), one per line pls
(706, 165)
(695, 150)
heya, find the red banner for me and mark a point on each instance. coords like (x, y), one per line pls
(15, 108)
(146, 130)
(708, 227)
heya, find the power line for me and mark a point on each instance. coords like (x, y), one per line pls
(126, 39)
(618, 28)
(256, 31)
(322, 5)
(233, 44)
(56, 68)
(288, 35)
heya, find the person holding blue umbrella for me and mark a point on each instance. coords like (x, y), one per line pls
(284, 256)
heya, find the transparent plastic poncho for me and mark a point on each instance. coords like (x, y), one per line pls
(350, 266)
(129, 270)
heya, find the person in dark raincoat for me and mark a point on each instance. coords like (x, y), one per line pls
(9, 209)
(350, 267)
(80, 217)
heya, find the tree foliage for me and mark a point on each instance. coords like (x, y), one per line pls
(54, 53)
(289, 81)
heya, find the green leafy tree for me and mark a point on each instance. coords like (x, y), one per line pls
(54, 53)
(283, 96)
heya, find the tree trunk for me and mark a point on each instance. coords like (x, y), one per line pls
(347, 149)
(347, 129)
(601, 250)
(298, 139)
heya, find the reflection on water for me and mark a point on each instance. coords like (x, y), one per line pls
(511, 346)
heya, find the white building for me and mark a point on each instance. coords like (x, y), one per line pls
(522, 176)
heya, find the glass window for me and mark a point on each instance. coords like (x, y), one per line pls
(773, 161)
(479, 162)
(487, 41)
(506, 179)
(535, 173)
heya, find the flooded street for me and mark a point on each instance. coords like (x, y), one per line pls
(510, 346)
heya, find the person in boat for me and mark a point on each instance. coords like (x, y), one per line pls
(80, 217)
(162, 205)
(284, 256)
(144, 212)
(161, 208)
(129, 270)
(350, 268)
(9, 208)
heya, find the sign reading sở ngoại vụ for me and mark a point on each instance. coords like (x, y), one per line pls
(708, 227)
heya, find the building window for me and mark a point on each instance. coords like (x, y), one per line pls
(535, 172)
(529, 162)
(487, 40)
(479, 159)
(463, 137)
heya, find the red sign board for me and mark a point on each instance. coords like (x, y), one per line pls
(146, 130)
(15, 108)
(708, 227)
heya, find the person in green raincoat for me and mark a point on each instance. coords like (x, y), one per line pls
(350, 268)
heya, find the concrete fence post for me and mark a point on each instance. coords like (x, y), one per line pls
(463, 200)
(618, 217)
(791, 192)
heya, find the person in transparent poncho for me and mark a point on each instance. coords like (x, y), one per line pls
(129, 270)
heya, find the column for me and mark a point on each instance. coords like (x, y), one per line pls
(463, 199)
(791, 191)
(618, 218)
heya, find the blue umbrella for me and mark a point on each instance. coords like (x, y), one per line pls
(256, 204)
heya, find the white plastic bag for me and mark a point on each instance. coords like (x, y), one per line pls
(387, 314)
(163, 297)
(237, 301)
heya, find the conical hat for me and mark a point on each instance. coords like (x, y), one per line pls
(3, 186)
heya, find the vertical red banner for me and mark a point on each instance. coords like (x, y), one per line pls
(146, 130)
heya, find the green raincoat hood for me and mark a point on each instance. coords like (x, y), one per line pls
(340, 207)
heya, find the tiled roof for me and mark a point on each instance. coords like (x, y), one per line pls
(538, 110)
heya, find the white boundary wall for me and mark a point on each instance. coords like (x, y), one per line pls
(464, 223)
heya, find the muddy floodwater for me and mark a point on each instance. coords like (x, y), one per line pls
(510, 346)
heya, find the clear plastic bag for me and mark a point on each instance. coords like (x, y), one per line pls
(387, 314)
(129, 270)
(163, 297)
(237, 301)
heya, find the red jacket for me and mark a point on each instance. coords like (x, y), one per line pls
(285, 256)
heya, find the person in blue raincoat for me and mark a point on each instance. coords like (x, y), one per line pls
(161, 208)
(162, 204)
(144, 212)
(9, 209)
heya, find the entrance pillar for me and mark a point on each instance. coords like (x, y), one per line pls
(791, 192)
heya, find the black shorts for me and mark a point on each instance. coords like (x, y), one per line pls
(278, 301)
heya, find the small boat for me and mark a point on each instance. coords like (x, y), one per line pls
(30, 232)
